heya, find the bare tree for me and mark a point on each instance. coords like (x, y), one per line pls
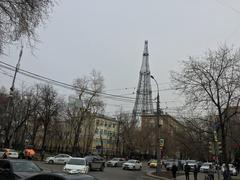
(48, 109)
(212, 82)
(86, 103)
(19, 18)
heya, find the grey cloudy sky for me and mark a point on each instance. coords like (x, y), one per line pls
(108, 35)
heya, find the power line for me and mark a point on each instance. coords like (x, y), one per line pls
(52, 81)
(228, 6)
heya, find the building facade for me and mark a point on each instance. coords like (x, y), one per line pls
(104, 139)
(169, 127)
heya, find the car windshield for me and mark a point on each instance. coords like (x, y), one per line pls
(191, 161)
(131, 161)
(206, 164)
(77, 162)
(115, 159)
(25, 166)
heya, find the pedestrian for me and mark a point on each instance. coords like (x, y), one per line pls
(4, 156)
(195, 172)
(211, 172)
(187, 169)
(174, 171)
(42, 154)
(226, 173)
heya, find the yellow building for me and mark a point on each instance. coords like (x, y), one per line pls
(104, 140)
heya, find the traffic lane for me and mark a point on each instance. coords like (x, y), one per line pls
(109, 173)
(50, 167)
(120, 174)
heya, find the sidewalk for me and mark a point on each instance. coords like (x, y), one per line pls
(201, 176)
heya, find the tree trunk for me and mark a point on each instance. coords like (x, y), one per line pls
(44, 137)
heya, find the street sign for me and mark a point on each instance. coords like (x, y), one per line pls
(161, 142)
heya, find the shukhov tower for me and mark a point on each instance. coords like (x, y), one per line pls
(143, 103)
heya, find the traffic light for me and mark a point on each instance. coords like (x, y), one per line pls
(161, 142)
(219, 147)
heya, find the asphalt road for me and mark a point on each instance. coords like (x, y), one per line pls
(109, 173)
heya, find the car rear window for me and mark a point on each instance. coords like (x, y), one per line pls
(77, 162)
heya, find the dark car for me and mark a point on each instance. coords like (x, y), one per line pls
(58, 176)
(28, 170)
(95, 162)
(12, 169)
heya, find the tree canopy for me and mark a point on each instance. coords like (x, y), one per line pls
(19, 18)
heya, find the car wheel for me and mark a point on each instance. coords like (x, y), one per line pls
(115, 165)
(50, 161)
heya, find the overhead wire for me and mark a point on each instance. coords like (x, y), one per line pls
(29, 74)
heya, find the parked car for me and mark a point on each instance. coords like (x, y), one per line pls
(95, 162)
(169, 163)
(116, 162)
(58, 159)
(132, 164)
(232, 169)
(11, 153)
(205, 167)
(17, 169)
(76, 165)
(191, 163)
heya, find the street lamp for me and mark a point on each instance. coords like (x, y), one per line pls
(157, 122)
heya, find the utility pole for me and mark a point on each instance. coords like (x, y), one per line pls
(16, 70)
(158, 170)
(10, 101)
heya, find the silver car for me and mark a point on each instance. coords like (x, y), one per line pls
(58, 159)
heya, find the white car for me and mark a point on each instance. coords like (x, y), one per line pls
(132, 164)
(58, 159)
(205, 167)
(191, 163)
(116, 162)
(76, 165)
(11, 153)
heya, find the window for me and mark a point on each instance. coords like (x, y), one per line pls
(97, 122)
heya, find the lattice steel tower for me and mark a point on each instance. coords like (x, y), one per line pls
(143, 103)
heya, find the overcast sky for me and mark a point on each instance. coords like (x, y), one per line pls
(108, 35)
